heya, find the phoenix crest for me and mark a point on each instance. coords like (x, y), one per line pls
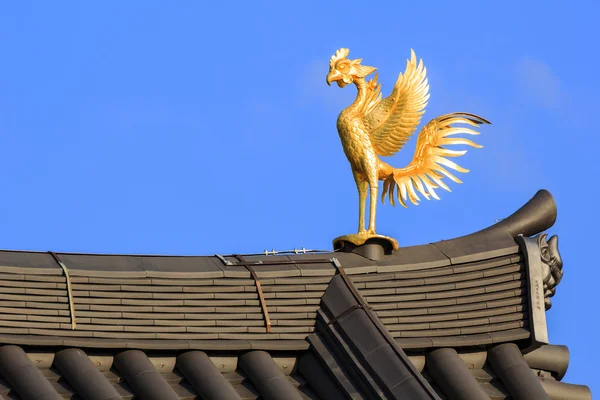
(372, 127)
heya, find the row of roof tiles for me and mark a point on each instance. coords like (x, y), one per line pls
(484, 301)
(71, 374)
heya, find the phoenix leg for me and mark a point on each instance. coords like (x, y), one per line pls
(362, 185)
(373, 205)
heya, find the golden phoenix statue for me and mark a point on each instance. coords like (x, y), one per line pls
(373, 127)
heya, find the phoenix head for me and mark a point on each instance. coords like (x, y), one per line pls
(344, 71)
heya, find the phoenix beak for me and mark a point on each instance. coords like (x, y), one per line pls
(333, 76)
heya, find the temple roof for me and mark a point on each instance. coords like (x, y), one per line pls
(186, 299)
(76, 374)
(444, 313)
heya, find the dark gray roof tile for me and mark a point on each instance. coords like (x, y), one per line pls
(558, 390)
(91, 342)
(83, 376)
(45, 278)
(508, 363)
(486, 264)
(119, 335)
(478, 246)
(511, 335)
(313, 264)
(267, 377)
(14, 331)
(95, 263)
(276, 271)
(102, 273)
(424, 273)
(371, 277)
(315, 379)
(364, 345)
(310, 280)
(425, 288)
(185, 267)
(204, 377)
(452, 376)
(413, 258)
(511, 268)
(23, 376)
(142, 376)
(6, 278)
(32, 261)
(332, 379)
(462, 340)
(550, 358)
(279, 345)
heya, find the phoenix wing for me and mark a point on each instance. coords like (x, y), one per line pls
(426, 170)
(393, 120)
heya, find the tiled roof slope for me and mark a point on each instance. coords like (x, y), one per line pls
(116, 300)
(363, 359)
(354, 356)
(77, 374)
(475, 303)
(159, 327)
(465, 291)
(351, 356)
(72, 374)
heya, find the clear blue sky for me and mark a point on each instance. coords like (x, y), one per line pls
(182, 128)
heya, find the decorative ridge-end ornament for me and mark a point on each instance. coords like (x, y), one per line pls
(552, 266)
(372, 127)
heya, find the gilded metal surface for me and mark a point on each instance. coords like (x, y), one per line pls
(372, 127)
(360, 239)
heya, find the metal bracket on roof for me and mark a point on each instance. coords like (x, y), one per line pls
(223, 259)
(274, 252)
(336, 263)
(294, 251)
(69, 289)
(359, 299)
(261, 297)
(258, 263)
(342, 315)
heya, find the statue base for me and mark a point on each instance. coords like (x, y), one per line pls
(373, 247)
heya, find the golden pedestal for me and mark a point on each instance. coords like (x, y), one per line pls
(358, 243)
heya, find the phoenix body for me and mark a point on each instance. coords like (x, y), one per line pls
(372, 127)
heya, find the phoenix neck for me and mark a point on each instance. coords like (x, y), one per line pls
(361, 97)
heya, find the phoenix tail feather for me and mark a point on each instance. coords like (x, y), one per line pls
(425, 172)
